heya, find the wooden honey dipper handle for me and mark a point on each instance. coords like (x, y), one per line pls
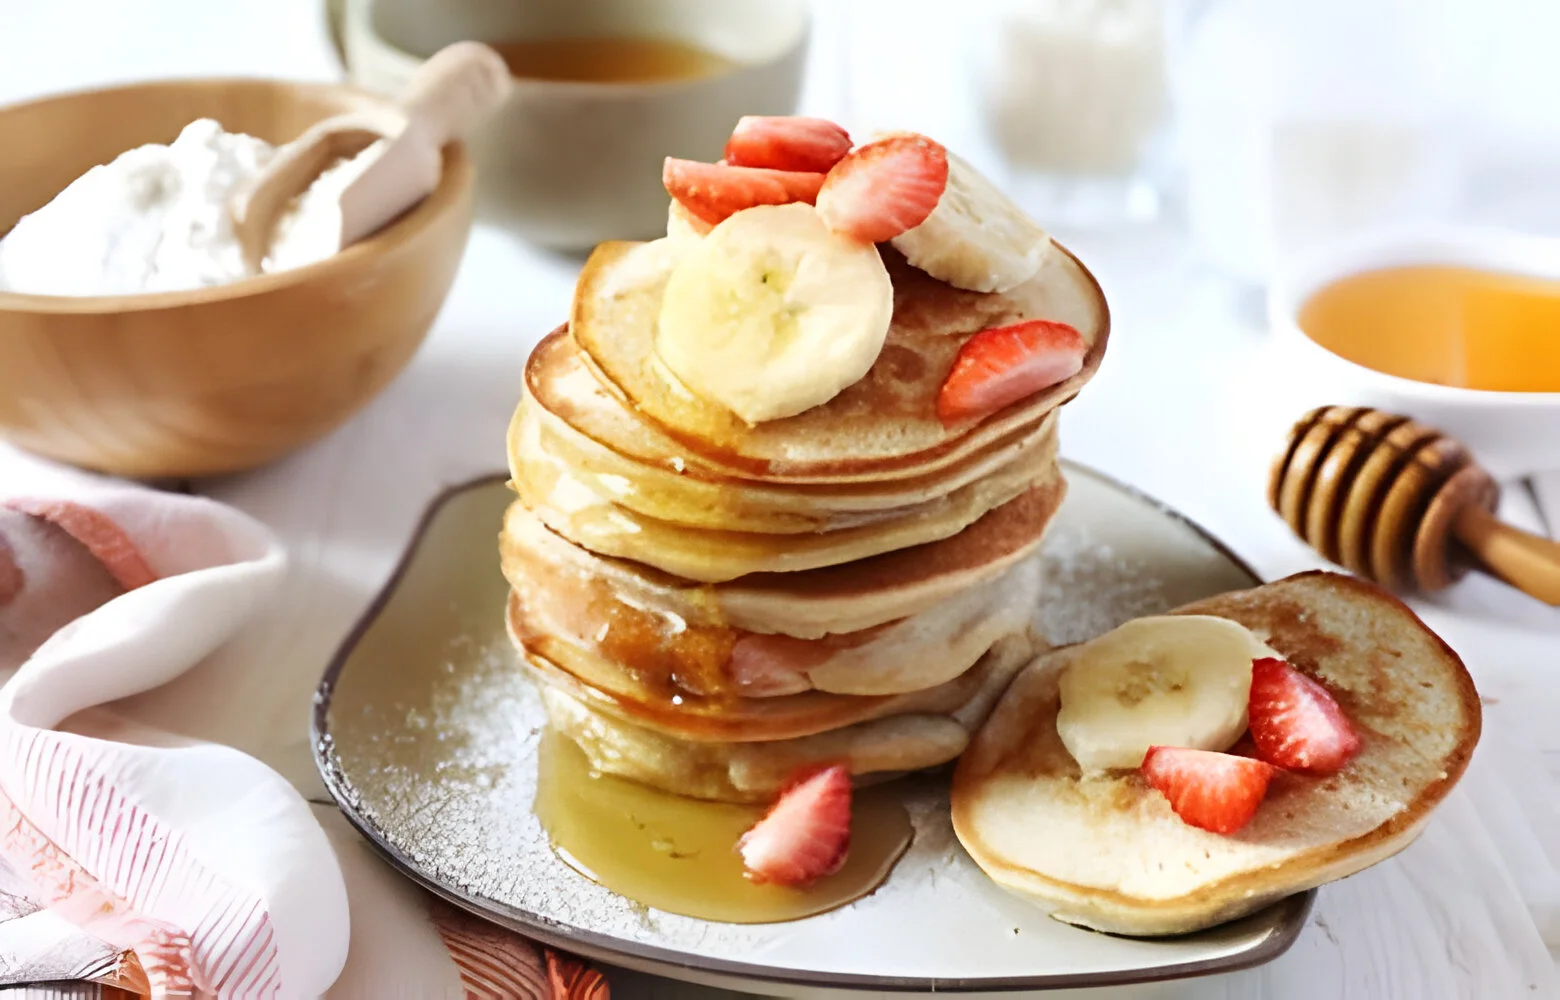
(1526, 561)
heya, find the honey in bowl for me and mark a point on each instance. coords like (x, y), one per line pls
(1448, 325)
(610, 59)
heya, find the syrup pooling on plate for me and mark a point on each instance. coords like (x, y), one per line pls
(679, 854)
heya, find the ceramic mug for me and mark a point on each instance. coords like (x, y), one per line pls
(568, 164)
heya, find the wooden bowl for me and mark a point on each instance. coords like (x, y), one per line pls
(192, 383)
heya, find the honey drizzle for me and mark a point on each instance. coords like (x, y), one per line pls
(679, 854)
(666, 655)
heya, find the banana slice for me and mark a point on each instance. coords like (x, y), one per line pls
(976, 237)
(772, 314)
(681, 223)
(1173, 680)
(647, 266)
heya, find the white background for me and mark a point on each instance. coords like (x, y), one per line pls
(1186, 408)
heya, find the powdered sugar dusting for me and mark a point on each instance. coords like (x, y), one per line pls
(444, 767)
(1089, 589)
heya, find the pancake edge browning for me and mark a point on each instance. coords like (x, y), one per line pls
(571, 508)
(954, 446)
(1345, 631)
(676, 476)
(875, 750)
(730, 719)
(813, 603)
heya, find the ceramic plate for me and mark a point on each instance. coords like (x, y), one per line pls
(426, 734)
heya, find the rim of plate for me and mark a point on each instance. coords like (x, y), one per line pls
(651, 958)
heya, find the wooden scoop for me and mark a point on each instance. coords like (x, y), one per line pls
(448, 96)
(1401, 504)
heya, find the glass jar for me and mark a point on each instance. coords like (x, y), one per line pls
(1073, 94)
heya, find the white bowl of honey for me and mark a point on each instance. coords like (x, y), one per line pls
(1457, 328)
(603, 91)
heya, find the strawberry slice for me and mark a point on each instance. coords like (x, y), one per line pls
(884, 188)
(1218, 792)
(787, 143)
(97, 533)
(1004, 364)
(716, 191)
(805, 835)
(768, 665)
(1295, 723)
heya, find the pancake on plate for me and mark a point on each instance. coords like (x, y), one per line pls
(1105, 849)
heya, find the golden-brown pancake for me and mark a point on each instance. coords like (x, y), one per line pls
(571, 508)
(625, 460)
(582, 608)
(751, 772)
(649, 702)
(885, 425)
(812, 603)
(1105, 850)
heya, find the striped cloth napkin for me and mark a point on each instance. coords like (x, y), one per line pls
(141, 859)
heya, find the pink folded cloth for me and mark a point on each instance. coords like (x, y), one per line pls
(162, 864)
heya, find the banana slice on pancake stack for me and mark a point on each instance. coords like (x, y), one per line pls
(782, 476)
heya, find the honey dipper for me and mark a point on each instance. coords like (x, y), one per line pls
(1402, 504)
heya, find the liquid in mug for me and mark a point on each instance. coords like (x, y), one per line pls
(610, 59)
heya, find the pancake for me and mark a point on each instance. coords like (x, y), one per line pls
(673, 655)
(1106, 851)
(626, 461)
(568, 506)
(882, 427)
(813, 603)
(609, 688)
(756, 771)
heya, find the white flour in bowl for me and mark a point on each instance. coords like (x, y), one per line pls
(155, 219)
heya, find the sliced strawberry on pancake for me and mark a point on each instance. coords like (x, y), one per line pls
(885, 188)
(1217, 792)
(1295, 723)
(714, 192)
(787, 142)
(1000, 366)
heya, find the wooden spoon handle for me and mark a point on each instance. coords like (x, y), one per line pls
(454, 90)
(1526, 561)
(450, 94)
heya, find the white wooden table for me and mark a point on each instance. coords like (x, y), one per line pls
(1185, 408)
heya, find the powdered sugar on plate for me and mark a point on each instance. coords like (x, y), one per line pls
(436, 757)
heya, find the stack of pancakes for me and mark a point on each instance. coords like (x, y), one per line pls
(709, 606)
